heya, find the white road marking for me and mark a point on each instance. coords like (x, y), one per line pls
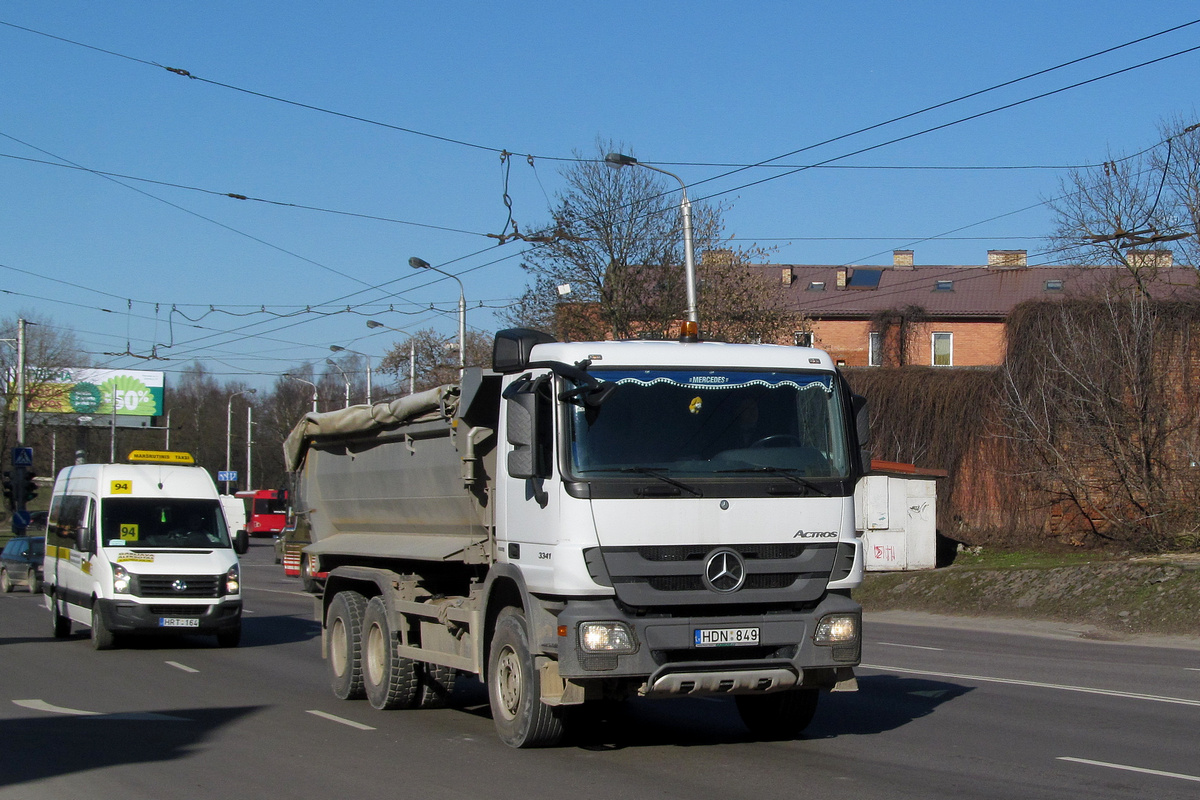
(42, 705)
(279, 591)
(349, 722)
(183, 667)
(910, 646)
(1038, 685)
(1127, 768)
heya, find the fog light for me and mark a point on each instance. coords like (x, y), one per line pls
(836, 629)
(606, 637)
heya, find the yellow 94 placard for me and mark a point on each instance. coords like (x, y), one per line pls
(121, 487)
(129, 533)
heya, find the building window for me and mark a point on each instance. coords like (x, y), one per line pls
(1054, 286)
(875, 349)
(943, 349)
(802, 338)
(816, 286)
(944, 286)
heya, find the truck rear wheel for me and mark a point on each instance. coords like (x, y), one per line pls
(344, 625)
(390, 680)
(780, 715)
(514, 688)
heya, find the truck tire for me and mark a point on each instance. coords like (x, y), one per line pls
(102, 637)
(344, 626)
(389, 679)
(514, 687)
(61, 624)
(307, 581)
(780, 715)
(437, 684)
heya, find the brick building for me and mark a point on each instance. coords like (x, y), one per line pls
(905, 313)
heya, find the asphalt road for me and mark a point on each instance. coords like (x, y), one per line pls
(942, 712)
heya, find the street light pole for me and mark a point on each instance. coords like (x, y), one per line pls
(345, 379)
(337, 348)
(692, 330)
(310, 383)
(418, 263)
(228, 428)
(412, 353)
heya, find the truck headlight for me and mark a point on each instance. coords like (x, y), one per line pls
(836, 629)
(233, 583)
(606, 637)
(121, 580)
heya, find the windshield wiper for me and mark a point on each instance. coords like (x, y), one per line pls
(787, 473)
(664, 478)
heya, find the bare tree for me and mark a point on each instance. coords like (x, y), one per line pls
(49, 351)
(1114, 213)
(614, 250)
(436, 358)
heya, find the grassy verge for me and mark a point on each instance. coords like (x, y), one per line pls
(1120, 595)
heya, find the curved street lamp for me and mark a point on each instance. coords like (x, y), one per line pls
(310, 383)
(337, 348)
(418, 263)
(345, 379)
(228, 426)
(691, 331)
(412, 352)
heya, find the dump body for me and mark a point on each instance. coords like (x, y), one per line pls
(397, 489)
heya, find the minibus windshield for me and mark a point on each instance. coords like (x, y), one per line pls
(148, 522)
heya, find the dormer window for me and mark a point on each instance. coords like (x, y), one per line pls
(1055, 285)
(816, 286)
(943, 286)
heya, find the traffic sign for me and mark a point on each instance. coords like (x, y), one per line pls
(22, 456)
(227, 477)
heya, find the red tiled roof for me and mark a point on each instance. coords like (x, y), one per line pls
(973, 291)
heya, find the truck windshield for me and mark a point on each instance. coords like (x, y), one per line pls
(717, 423)
(148, 522)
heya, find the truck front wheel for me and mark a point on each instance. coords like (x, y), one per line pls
(390, 680)
(780, 715)
(344, 625)
(514, 688)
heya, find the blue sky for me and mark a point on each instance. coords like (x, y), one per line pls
(686, 86)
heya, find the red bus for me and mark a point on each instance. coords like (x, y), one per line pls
(266, 511)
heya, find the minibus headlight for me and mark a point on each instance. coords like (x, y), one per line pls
(606, 637)
(121, 580)
(233, 583)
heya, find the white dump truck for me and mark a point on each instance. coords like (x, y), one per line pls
(593, 521)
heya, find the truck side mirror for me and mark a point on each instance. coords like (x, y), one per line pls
(521, 431)
(84, 537)
(241, 543)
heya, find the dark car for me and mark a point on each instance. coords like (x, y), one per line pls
(21, 563)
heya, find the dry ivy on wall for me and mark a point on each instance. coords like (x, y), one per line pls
(1087, 435)
(1100, 397)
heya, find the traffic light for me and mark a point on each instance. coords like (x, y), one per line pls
(8, 491)
(31, 487)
